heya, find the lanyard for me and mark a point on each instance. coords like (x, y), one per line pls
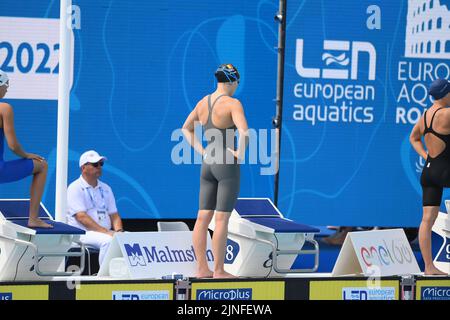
(94, 204)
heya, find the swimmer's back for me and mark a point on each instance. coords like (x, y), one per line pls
(222, 112)
(437, 122)
(4, 109)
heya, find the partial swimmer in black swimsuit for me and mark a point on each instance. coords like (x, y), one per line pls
(435, 128)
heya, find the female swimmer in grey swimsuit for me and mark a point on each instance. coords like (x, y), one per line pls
(221, 115)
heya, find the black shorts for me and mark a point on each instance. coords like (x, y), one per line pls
(435, 177)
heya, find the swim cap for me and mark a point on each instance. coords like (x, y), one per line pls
(3, 78)
(439, 88)
(227, 73)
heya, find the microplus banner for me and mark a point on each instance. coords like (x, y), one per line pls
(356, 79)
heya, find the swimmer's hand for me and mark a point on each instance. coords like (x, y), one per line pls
(235, 153)
(34, 157)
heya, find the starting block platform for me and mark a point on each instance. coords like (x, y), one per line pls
(441, 229)
(262, 242)
(34, 253)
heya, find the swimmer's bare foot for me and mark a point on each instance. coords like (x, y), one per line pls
(206, 273)
(38, 223)
(433, 271)
(223, 275)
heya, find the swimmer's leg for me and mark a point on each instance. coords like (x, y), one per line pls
(36, 191)
(199, 237)
(430, 214)
(219, 243)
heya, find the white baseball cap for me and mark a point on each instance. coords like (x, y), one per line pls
(3, 78)
(90, 156)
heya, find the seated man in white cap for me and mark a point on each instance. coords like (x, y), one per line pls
(91, 205)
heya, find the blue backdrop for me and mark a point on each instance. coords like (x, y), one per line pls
(140, 67)
(355, 82)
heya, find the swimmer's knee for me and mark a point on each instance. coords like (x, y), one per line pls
(40, 166)
(44, 165)
(205, 216)
(428, 219)
(222, 217)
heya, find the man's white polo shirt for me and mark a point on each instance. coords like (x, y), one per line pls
(99, 202)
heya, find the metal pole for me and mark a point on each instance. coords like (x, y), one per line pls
(63, 109)
(277, 120)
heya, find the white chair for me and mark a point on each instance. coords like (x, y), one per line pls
(172, 226)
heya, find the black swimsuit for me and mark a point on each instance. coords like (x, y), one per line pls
(436, 172)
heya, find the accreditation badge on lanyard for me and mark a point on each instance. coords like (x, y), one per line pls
(101, 210)
(101, 214)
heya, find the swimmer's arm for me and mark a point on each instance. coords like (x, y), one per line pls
(415, 139)
(238, 116)
(188, 131)
(10, 132)
(447, 119)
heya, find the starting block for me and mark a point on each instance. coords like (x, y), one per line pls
(261, 242)
(32, 253)
(442, 228)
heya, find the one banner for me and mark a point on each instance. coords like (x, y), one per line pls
(241, 290)
(150, 255)
(356, 79)
(24, 292)
(30, 56)
(432, 289)
(125, 291)
(354, 290)
(376, 253)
